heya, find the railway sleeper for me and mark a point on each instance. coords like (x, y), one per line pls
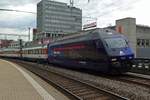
(96, 97)
(78, 89)
(74, 86)
(85, 93)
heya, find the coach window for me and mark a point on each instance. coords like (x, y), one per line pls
(46, 51)
(38, 51)
(35, 51)
(32, 51)
(42, 51)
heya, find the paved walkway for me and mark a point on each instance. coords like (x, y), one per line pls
(17, 84)
(139, 75)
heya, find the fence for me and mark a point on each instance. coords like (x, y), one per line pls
(141, 65)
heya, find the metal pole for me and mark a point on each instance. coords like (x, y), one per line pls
(29, 34)
(20, 43)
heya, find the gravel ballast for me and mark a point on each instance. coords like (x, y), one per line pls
(130, 91)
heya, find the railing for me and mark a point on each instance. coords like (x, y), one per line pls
(141, 65)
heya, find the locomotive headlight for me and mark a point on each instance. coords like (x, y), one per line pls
(130, 57)
(114, 59)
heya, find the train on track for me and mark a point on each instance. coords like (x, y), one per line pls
(102, 50)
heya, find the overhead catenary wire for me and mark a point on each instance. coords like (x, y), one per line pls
(113, 5)
(1, 9)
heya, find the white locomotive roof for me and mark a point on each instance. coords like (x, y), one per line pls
(32, 48)
(87, 35)
(9, 49)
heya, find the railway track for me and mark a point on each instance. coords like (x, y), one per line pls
(135, 80)
(75, 88)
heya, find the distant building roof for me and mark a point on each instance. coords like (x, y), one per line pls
(143, 26)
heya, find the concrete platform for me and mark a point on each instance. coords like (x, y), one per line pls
(16, 83)
(139, 75)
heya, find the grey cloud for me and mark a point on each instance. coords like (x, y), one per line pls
(95, 8)
(5, 3)
(19, 23)
(107, 7)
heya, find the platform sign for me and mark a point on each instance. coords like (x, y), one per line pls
(90, 25)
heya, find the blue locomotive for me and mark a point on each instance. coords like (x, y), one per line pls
(102, 50)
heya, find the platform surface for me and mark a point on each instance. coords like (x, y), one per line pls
(16, 83)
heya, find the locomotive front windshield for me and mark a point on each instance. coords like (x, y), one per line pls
(116, 42)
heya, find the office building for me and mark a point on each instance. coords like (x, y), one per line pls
(56, 18)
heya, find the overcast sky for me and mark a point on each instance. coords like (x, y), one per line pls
(106, 12)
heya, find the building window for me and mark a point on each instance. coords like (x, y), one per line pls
(138, 42)
(142, 42)
(147, 43)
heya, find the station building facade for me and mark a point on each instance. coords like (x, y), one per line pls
(138, 35)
